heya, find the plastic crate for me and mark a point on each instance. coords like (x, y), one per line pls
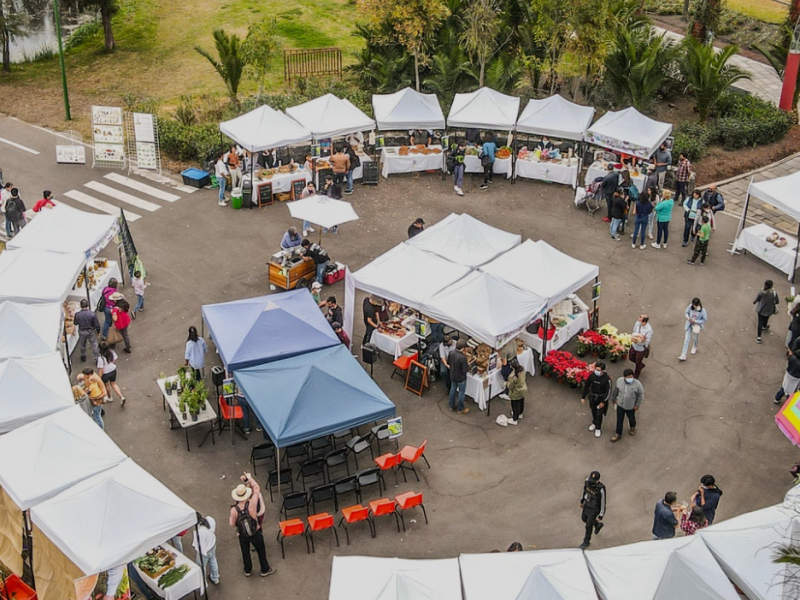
(15, 588)
(196, 178)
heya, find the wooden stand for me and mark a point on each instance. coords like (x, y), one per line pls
(288, 277)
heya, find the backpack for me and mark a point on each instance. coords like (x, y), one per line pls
(101, 303)
(246, 525)
(633, 193)
(12, 210)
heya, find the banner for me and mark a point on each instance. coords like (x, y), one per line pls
(126, 240)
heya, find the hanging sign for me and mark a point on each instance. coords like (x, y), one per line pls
(395, 427)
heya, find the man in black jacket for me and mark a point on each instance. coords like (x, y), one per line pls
(458, 377)
(593, 507)
(609, 185)
(597, 388)
(714, 199)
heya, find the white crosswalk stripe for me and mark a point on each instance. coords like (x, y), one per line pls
(100, 205)
(142, 187)
(123, 196)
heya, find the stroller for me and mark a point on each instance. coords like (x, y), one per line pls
(591, 196)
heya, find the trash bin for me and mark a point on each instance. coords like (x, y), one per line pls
(236, 198)
(247, 194)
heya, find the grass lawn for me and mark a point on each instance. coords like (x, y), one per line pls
(764, 10)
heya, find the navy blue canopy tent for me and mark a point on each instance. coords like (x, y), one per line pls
(305, 397)
(259, 330)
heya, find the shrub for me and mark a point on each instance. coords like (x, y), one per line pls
(188, 142)
(691, 140)
(84, 31)
(745, 120)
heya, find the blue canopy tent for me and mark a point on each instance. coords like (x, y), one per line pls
(259, 330)
(306, 397)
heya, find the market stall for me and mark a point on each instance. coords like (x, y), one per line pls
(402, 159)
(169, 573)
(371, 578)
(29, 329)
(484, 109)
(781, 193)
(542, 574)
(407, 109)
(629, 132)
(329, 117)
(599, 169)
(483, 386)
(96, 275)
(180, 415)
(33, 276)
(502, 162)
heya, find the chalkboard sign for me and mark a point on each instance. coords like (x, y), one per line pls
(265, 194)
(298, 185)
(127, 241)
(370, 173)
(416, 377)
(321, 174)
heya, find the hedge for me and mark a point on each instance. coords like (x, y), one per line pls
(745, 121)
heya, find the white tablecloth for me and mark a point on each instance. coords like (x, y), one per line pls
(599, 169)
(478, 386)
(79, 293)
(548, 171)
(502, 166)
(753, 239)
(193, 580)
(394, 163)
(393, 345)
(281, 182)
(562, 335)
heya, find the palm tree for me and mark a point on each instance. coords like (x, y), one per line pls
(708, 74)
(638, 65)
(231, 63)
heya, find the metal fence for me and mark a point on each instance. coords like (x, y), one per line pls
(312, 62)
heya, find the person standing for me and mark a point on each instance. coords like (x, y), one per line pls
(244, 517)
(642, 209)
(315, 252)
(45, 202)
(234, 167)
(517, 386)
(121, 317)
(458, 377)
(618, 206)
(608, 186)
(693, 521)
(15, 213)
(665, 517)
(195, 353)
(707, 497)
(205, 544)
(5, 196)
(663, 159)
(341, 334)
(651, 181)
(372, 308)
(355, 162)
(107, 370)
(627, 397)
(139, 284)
(341, 165)
(108, 304)
(691, 206)
(696, 319)
(791, 378)
(714, 199)
(663, 212)
(598, 389)
(794, 325)
(97, 392)
(316, 289)
(683, 173)
(334, 313)
(417, 227)
(88, 327)
(457, 161)
(766, 305)
(82, 399)
(593, 507)
(701, 245)
(445, 348)
(309, 190)
(640, 343)
(221, 173)
(488, 152)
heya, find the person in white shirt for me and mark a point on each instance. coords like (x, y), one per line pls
(107, 370)
(207, 533)
(5, 194)
(640, 348)
(221, 172)
(445, 348)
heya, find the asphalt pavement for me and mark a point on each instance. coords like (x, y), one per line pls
(487, 486)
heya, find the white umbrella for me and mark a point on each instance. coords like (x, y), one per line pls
(323, 211)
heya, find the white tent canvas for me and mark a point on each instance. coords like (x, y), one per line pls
(556, 117)
(112, 517)
(369, 578)
(408, 275)
(329, 116)
(744, 545)
(547, 272)
(484, 109)
(780, 192)
(32, 388)
(407, 109)
(45, 457)
(485, 307)
(659, 570)
(323, 211)
(264, 128)
(464, 240)
(540, 575)
(29, 329)
(628, 131)
(67, 230)
(36, 276)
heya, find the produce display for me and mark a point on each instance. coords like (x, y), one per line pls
(155, 562)
(471, 151)
(172, 577)
(70, 308)
(96, 272)
(504, 152)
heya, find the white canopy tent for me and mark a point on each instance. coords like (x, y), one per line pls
(792, 498)
(329, 116)
(112, 517)
(370, 578)
(66, 230)
(744, 545)
(541, 575)
(407, 109)
(32, 388)
(264, 128)
(484, 109)
(464, 240)
(659, 570)
(408, 275)
(323, 211)
(556, 117)
(29, 329)
(628, 131)
(35, 276)
(485, 307)
(547, 272)
(47, 456)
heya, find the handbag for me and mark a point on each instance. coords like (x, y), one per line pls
(486, 160)
(114, 336)
(695, 328)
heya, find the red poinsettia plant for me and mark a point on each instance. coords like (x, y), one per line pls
(565, 365)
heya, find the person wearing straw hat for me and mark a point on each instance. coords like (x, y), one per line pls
(372, 309)
(244, 518)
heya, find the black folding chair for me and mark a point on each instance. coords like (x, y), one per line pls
(312, 468)
(360, 444)
(346, 485)
(370, 477)
(265, 451)
(321, 446)
(323, 493)
(380, 432)
(336, 458)
(286, 479)
(294, 501)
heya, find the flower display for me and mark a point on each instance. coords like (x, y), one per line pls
(592, 341)
(565, 366)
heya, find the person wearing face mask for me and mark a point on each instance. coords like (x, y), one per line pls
(696, 318)
(597, 388)
(593, 506)
(640, 348)
(627, 397)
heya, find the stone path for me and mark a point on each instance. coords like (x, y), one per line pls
(764, 81)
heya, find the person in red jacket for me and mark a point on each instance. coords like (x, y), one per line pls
(340, 333)
(45, 202)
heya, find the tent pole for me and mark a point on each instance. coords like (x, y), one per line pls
(278, 454)
(29, 543)
(742, 220)
(86, 283)
(202, 562)
(545, 327)
(594, 305)
(252, 180)
(797, 248)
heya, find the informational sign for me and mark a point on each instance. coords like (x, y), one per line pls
(395, 427)
(144, 128)
(315, 150)
(75, 155)
(264, 194)
(141, 133)
(228, 389)
(112, 153)
(445, 142)
(106, 115)
(380, 141)
(493, 359)
(109, 136)
(416, 377)
(146, 156)
(596, 291)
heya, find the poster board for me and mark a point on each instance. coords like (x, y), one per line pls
(143, 146)
(71, 155)
(108, 136)
(417, 377)
(395, 426)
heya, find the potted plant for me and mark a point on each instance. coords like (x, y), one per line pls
(183, 404)
(583, 346)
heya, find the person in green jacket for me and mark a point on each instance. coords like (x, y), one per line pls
(663, 212)
(516, 393)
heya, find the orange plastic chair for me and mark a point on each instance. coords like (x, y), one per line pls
(389, 461)
(354, 514)
(401, 363)
(410, 455)
(407, 501)
(320, 522)
(225, 412)
(379, 508)
(290, 528)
